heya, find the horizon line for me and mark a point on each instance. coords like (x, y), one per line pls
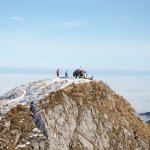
(29, 70)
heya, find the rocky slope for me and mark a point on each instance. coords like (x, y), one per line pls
(85, 115)
(33, 91)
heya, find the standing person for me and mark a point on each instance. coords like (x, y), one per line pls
(66, 74)
(75, 73)
(58, 72)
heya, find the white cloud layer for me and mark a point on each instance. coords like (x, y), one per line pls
(17, 18)
(68, 24)
(125, 18)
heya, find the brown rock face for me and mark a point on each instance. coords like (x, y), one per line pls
(17, 131)
(81, 116)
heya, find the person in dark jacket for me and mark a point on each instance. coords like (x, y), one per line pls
(58, 72)
(76, 73)
(66, 74)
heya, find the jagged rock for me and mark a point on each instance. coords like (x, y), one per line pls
(91, 116)
(21, 133)
(87, 115)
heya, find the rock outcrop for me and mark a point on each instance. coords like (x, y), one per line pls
(81, 116)
(18, 131)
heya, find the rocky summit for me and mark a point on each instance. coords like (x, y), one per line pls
(77, 115)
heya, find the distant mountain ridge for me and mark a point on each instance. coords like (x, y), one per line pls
(146, 116)
(69, 114)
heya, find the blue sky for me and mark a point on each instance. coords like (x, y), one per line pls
(98, 34)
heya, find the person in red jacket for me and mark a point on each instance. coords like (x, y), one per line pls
(58, 72)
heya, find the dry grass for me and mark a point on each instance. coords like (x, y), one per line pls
(94, 94)
(99, 96)
(19, 121)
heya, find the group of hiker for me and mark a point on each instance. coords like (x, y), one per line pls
(78, 73)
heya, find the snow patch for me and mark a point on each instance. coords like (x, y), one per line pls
(34, 91)
(20, 146)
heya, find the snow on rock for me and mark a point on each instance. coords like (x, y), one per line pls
(66, 116)
(20, 146)
(34, 91)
